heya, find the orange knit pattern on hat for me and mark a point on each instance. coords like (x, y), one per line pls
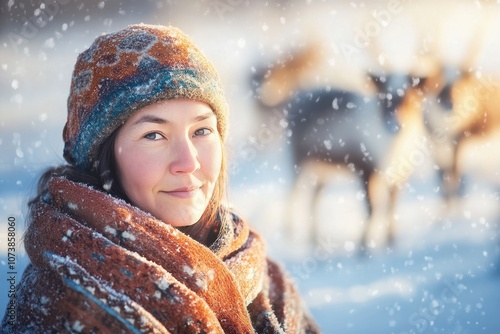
(124, 71)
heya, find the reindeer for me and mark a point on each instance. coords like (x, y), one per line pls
(466, 106)
(468, 109)
(366, 133)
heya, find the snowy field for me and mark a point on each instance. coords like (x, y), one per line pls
(441, 276)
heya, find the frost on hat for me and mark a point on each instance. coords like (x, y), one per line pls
(124, 71)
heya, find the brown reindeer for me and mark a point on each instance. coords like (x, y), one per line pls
(466, 107)
(369, 134)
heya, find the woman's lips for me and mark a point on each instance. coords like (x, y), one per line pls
(183, 192)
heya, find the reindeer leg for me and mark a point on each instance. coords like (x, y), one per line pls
(368, 185)
(455, 171)
(444, 178)
(314, 235)
(393, 193)
(454, 179)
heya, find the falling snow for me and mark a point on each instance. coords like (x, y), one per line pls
(441, 274)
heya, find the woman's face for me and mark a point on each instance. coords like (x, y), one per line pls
(168, 158)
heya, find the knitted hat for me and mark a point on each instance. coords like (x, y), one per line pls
(127, 70)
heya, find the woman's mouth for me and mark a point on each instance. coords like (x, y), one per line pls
(183, 192)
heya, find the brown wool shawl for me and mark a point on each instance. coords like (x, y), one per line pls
(99, 265)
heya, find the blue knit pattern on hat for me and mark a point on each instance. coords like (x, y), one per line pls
(126, 71)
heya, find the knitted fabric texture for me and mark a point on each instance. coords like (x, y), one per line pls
(124, 71)
(101, 265)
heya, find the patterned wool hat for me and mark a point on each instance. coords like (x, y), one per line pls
(124, 71)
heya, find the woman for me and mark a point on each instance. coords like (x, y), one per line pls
(147, 120)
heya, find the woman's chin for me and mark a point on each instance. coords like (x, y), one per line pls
(182, 221)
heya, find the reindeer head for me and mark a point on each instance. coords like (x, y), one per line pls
(390, 91)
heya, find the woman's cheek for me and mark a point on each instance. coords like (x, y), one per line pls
(212, 157)
(140, 167)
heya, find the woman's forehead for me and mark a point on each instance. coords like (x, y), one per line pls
(169, 111)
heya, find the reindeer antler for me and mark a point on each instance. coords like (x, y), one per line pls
(478, 40)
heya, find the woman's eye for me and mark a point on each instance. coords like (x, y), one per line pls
(153, 136)
(202, 132)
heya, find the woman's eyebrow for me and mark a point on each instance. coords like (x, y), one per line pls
(203, 116)
(151, 119)
(159, 120)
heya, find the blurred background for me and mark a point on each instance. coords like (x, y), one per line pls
(441, 164)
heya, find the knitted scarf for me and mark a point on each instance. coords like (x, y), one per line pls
(99, 265)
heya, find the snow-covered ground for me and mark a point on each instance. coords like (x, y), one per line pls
(442, 275)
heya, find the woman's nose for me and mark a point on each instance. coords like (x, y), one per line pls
(185, 157)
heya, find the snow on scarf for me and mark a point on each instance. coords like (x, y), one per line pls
(99, 265)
